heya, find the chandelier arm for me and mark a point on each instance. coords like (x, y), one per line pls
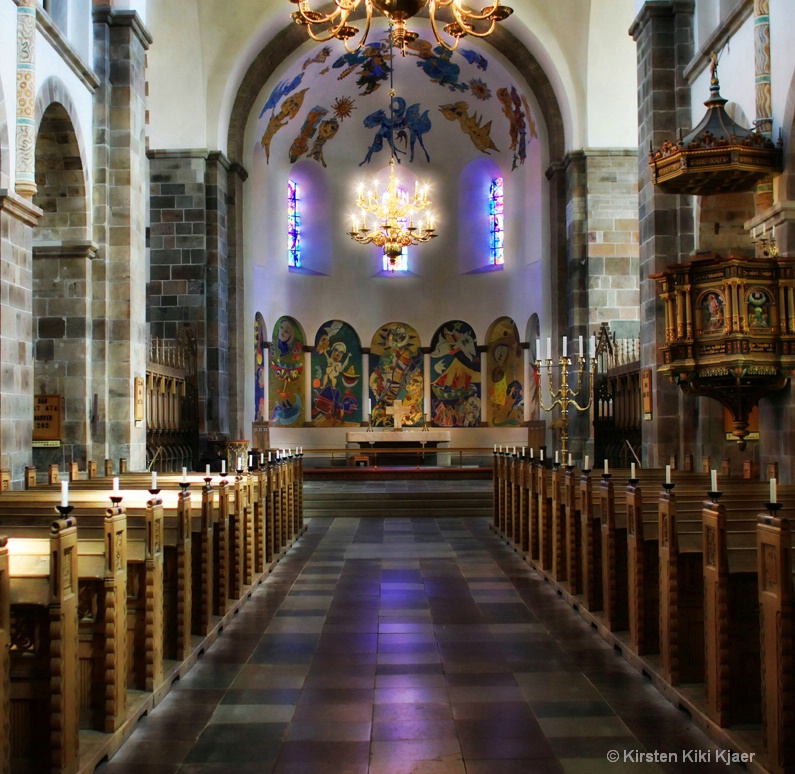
(551, 405)
(576, 405)
(461, 14)
(437, 34)
(369, 9)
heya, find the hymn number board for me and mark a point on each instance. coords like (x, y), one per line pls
(47, 417)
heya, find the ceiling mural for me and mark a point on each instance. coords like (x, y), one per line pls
(334, 92)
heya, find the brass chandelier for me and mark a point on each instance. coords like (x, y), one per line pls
(394, 212)
(334, 24)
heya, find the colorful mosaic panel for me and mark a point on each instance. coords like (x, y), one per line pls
(260, 337)
(505, 387)
(455, 376)
(396, 374)
(337, 382)
(286, 385)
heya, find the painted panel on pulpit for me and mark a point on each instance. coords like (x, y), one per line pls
(504, 361)
(286, 384)
(396, 375)
(260, 337)
(455, 376)
(336, 376)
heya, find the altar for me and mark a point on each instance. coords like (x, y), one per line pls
(406, 439)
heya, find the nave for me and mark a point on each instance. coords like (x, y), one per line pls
(398, 645)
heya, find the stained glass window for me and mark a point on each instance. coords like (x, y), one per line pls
(496, 223)
(293, 224)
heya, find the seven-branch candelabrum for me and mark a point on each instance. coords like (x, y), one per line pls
(565, 397)
(395, 212)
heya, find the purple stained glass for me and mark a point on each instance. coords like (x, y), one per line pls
(293, 224)
(496, 223)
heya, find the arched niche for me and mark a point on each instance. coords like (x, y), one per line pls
(314, 206)
(455, 376)
(337, 379)
(533, 396)
(286, 387)
(396, 374)
(474, 194)
(505, 375)
(260, 368)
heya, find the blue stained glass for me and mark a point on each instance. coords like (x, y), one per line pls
(293, 224)
(496, 223)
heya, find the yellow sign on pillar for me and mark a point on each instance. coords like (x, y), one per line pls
(139, 399)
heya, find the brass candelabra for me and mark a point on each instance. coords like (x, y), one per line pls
(565, 397)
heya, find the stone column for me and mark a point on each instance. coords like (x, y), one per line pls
(764, 102)
(18, 218)
(120, 201)
(26, 99)
(663, 31)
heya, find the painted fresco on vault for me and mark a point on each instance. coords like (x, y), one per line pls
(455, 376)
(504, 360)
(336, 376)
(396, 374)
(315, 97)
(286, 384)
(260, 337)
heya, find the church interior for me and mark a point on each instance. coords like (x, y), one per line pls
(437, 361)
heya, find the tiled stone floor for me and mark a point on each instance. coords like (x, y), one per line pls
(409, 646)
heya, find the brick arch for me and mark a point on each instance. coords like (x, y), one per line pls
(60, 167)
(5, 159)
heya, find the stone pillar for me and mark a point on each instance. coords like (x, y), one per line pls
(26, 99)
(189, 284)
(120, 200)
(663, 31)
(18, 218)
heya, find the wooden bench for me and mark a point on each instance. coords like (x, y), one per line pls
(44, 717)
(777, 639)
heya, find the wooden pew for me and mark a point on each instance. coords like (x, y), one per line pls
(615, 595)
(44, 719)
(572, 530)
(643, 573)
(5, 666)
(544, 518)
(144, 586)
(777, 630)
(591, 541)
(731, 623)
(557, 529)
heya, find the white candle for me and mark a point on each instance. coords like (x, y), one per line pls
(538, 349)
(541, 457)
(593, 346)
(632, 470)
(667, 474)
(495, 448)
(564, 350)
(514, 450)
(773, 490)
(223, 467)
(262, 458)
(184, 475)
(549, 349)
(579, 346)
(64, 494)
(556, 458)
(607, 467)
(713, 478)
(369, 406)
(115, 483)
(239, 463)
(269, 456)
(207, 470)
(500, 448)
(522, 451)
(569, 463)
(586, 464)
(154, 480)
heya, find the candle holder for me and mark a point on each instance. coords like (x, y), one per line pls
(607, 476)
(239, 474)
(633, 482)
(116, 499)
(773, 507)
(208, 482)
(64, 510)
(425, 421)
(668, 486)
(154, 492)
(369, 423)
(714, 496)
(185, 486)
(565, 397)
